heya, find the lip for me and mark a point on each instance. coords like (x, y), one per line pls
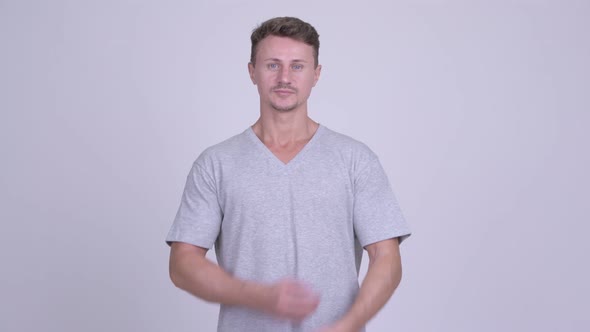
(283, 91)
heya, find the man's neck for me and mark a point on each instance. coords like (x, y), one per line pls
(281, 129)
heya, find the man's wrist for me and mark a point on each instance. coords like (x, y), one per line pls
(255, 295)
(351, 322)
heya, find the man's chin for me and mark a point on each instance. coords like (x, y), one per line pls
(284, 108)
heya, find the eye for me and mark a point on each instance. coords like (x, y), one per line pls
(297, 67)
(272, 66)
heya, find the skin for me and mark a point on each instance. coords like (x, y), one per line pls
(285, 73)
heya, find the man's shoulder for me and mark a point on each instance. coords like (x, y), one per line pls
(345, 144)
(232, 143)
(231, 147)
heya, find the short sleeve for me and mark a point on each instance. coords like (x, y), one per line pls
(198, 220)
(377, 215)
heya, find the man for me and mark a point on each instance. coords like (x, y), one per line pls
(289, 205)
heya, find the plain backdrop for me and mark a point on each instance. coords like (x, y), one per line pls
(479, 111)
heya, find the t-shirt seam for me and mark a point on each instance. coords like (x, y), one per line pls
(214, 182)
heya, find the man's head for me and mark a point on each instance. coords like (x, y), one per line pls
(284, 63)
(290, 27)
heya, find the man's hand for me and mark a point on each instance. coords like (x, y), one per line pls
(293, 300)
(192, 271)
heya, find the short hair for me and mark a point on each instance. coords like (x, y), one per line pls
(291, 27)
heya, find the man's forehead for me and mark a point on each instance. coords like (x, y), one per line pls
(278, 47)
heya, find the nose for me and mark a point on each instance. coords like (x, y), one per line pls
(284, 76)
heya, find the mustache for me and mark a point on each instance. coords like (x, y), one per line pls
(284, 87)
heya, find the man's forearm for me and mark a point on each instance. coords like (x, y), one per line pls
(382, 278)
(191, 271)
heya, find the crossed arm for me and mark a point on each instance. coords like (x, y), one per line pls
(191, 271)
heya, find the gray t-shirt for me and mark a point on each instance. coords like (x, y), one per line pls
(308, 219)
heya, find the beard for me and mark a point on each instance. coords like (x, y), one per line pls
(284, 108)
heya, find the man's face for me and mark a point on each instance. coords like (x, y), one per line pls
(284, 73)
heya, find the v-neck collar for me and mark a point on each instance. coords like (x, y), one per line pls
(250, 133)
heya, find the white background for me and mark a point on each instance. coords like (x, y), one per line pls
(479, 111)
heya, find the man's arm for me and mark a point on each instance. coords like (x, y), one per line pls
(382, 278)
(191, 271)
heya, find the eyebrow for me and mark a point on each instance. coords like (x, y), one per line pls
(278, 60)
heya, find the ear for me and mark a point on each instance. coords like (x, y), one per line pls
(251, 72)
(316, 74)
